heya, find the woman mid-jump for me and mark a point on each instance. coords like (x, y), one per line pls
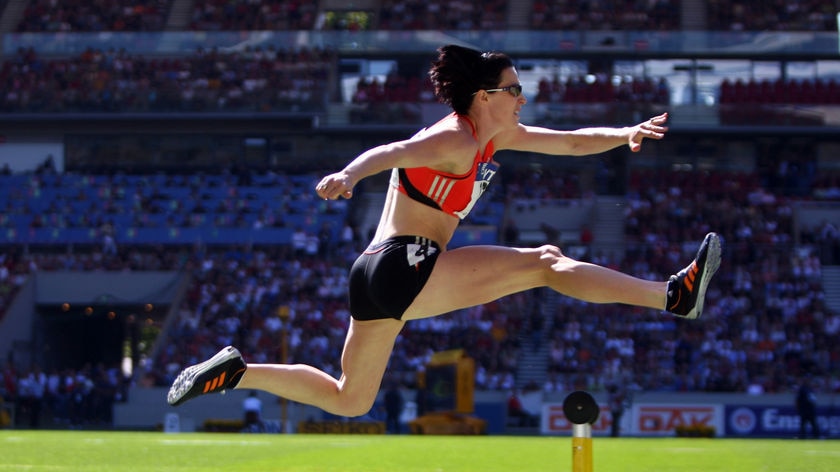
(407, 273)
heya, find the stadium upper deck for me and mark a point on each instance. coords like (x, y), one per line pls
(219, 15)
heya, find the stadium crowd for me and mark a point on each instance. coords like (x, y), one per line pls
(73, 397)
(602, 90)
(277, 79)
(254, 15)
(766, 326)
(257, 79)
(107, 15)
(263, 79)
(605, 15)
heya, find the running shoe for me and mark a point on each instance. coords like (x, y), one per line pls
(217, 374)
(687, 288)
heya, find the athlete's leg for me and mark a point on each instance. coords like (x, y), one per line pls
(475, 275)
(367, 349)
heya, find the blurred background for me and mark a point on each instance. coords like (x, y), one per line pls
(158, 160)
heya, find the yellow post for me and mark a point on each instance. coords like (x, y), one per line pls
(581, 410)
(582, 448)
(284, 356)
(283, 314)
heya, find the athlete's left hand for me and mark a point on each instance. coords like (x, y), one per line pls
(653, 128)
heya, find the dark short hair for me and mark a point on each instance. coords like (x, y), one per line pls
(459, 72)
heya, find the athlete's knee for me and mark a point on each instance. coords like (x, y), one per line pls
(554, 263)
(549, 255)
(354, 404)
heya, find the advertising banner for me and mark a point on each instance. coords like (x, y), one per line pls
(642, 419)
(776, 421)
(663, 420)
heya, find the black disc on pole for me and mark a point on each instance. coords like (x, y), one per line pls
(581, 408)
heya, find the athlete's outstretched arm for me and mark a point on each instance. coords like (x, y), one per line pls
(584, 141)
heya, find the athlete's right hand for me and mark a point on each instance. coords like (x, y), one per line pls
(335, 185)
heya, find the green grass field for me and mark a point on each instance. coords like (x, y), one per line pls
(123, 451)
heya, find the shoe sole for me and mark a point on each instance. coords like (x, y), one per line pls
(709, 269)
(186, 379)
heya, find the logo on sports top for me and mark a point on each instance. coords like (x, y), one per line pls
(484, 173)
(440, 188)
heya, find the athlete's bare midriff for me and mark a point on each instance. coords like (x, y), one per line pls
(403, 216)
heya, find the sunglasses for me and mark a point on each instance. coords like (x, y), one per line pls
(514, 90)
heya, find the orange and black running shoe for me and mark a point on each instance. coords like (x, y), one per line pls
(221, 372)
(687, 288)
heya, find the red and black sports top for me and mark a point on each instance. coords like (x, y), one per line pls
(450, 193)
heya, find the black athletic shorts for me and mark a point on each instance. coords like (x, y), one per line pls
(387, 276)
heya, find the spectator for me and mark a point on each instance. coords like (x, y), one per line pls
(616, 399)
(394, 405)
(806, 406)
(517, 414)
(252, 411)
